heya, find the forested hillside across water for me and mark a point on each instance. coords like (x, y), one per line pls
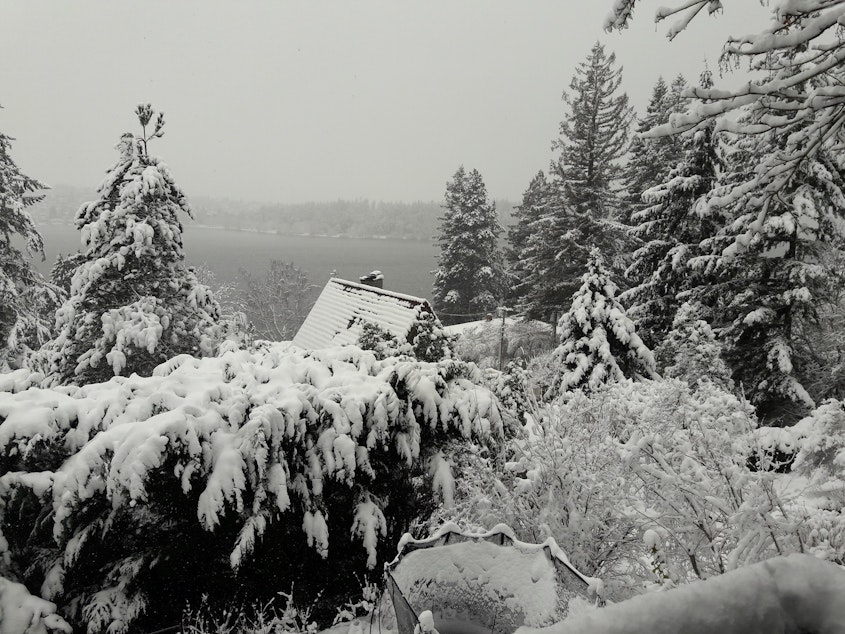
(340, 218)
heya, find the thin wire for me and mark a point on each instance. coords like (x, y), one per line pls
(172, 628)
(462, 314)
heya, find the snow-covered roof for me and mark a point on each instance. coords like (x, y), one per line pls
(342, 308)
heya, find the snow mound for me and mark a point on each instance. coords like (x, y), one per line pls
(789, 595)
(22, 613)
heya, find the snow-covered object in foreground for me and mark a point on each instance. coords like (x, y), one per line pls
(22, 613)
(788, 595)
(599, 343)
(489, 582)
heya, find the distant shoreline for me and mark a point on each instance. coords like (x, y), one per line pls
(276, 232)
(339, 236)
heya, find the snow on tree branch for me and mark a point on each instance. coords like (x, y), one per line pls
(796, 91)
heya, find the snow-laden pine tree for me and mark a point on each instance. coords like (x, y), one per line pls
(670, 231)
(535, 287)
(594, 134)
(690, 351)
(133, 303)
(582, 196)
(599, 342)
(782, 265)
(469, 280)
(782, 193)
(651, 159)
(25, 297)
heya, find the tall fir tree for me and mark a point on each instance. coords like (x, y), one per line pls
(555, 254)
(133, 304)
(670, 233)
(651, 159)
(782, 264)
(599, 342)
(582, 197)
(470, 278)
(25, 297)
(524, 281)
(594, 135)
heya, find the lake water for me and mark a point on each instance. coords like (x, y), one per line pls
(406, 264)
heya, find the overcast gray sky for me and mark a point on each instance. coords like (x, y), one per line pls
(295, 101)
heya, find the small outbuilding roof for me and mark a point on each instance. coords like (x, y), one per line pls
(338, 316)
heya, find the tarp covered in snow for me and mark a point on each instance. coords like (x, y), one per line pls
(343, 307)
(489, 582)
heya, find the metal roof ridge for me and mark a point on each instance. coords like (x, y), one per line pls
(379, 291)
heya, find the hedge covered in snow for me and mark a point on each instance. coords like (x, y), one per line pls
(215, 474)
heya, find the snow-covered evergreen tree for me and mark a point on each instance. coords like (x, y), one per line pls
(469, 279)
(534, 202)
(25, 297)
(599, 342)
(543, 241)
(782, 264)
(691, 351)
(133, 303)
(582, 196)
(671, 231)
(651, 159)
(594, 134)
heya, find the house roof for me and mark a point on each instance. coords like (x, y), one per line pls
(338, 316)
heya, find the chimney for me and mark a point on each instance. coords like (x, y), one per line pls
(375, 279)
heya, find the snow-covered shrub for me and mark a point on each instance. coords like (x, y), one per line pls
(279, 615)
(382, 342)
(691, 352)
(820, 464)
(640, 483)
(231, 475)
(427, 340)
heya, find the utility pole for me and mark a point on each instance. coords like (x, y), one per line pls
(503, 311)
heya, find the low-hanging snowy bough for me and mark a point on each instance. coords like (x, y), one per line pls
(126, 498)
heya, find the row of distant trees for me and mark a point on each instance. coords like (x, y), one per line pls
(360, 218)
(742, 217)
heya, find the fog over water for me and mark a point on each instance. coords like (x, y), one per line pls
(406, 264)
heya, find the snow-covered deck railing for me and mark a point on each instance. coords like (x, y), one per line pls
(489, 582)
